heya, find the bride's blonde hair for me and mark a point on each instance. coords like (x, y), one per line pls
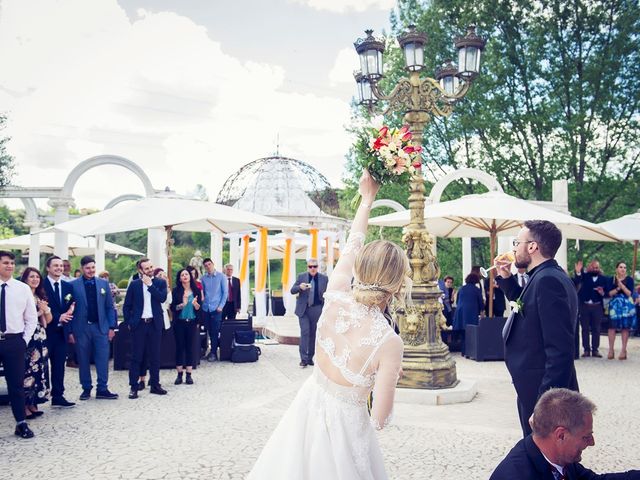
(380, 272)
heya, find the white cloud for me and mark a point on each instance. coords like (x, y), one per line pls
(343, 6)
(81, 79)
(346, 62)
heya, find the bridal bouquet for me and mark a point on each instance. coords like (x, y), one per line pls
(389, 156)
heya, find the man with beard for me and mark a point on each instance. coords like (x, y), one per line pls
(591, 286)
(562, 428)
(539, 333)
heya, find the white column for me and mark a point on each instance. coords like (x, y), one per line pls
(288, 299)
(260, 297)
(466, 256)
(234, 253)
(216, 250)
(61, 214)
(157, 247)
(99, 253)
(504, 245)
(34, 243)
(561, 255)
(560, 197)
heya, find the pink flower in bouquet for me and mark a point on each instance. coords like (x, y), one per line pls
(400, 167)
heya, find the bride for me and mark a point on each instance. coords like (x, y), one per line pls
(327, 433)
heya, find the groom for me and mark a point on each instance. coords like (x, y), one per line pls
(310, 288)
(539, 336)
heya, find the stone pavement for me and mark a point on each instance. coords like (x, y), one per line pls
(216, 428)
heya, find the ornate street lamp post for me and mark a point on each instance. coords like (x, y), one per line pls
(427, 362)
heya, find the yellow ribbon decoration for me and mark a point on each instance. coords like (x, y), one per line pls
(262, 271)
(286, 263)
(244, 266)
(314, 243)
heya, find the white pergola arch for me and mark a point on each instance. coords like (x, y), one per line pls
(436, 194)
(64, 201)
(127, 197)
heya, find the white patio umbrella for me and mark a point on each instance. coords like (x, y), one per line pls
(489, 215)
(78, 245)
(626, 228)
(170, 213)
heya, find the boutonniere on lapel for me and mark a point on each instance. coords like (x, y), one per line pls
(67, 297)
(102, 292)
(516, 306)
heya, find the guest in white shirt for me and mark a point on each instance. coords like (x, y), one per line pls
(18, 319)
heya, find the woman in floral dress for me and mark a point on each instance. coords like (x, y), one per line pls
(36, 372)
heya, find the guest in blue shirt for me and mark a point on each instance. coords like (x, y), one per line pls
(214, 287)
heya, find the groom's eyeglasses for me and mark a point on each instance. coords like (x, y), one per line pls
(312, 266)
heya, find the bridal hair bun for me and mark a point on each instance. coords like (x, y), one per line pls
(379, 272)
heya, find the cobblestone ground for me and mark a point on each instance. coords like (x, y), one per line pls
(216, 428)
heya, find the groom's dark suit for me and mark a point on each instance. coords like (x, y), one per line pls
(56, 339)
(146, 331)
(539, 341)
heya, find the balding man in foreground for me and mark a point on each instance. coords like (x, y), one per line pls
(562, 425)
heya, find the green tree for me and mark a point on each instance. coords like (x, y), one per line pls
(558, 98)
(6, 160)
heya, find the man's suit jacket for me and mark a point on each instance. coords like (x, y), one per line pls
(303, 295)
(235, 284)
(134, 302)
(58, 306)
(106, 311)
(526, 462)
(539, 345)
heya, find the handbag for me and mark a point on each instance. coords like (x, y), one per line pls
(245, 353)
(244, 337)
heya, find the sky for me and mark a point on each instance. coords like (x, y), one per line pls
(190, 90)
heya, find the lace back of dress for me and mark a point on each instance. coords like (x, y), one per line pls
(350, 335)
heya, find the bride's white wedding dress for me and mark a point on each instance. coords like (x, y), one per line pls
(327, 433)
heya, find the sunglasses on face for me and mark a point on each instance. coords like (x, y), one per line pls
(312, 266)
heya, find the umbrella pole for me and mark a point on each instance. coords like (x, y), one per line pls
(635, 258)
(492, 272)
(169, 230)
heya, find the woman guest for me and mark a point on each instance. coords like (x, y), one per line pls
(468, 306)
(36, 373)
(622, 311)
(184, 307)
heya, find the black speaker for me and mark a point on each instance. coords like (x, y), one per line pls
(484, 341)
(227, 331)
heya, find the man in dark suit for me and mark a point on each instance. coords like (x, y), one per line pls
(92, 328)
(60, 295)
(143, 315)
(539, 333)
(591, 286)
(310, 288)
(562, 428)
(232, 307)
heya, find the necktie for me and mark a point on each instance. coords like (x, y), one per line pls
(3, 310)
(521, 280)
(230, 299)
(312, 290)
(56, 289)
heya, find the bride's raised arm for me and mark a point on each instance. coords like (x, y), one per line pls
(342, 273)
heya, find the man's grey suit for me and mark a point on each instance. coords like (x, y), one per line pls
(308, 313)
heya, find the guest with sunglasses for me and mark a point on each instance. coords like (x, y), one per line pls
(310, 288)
